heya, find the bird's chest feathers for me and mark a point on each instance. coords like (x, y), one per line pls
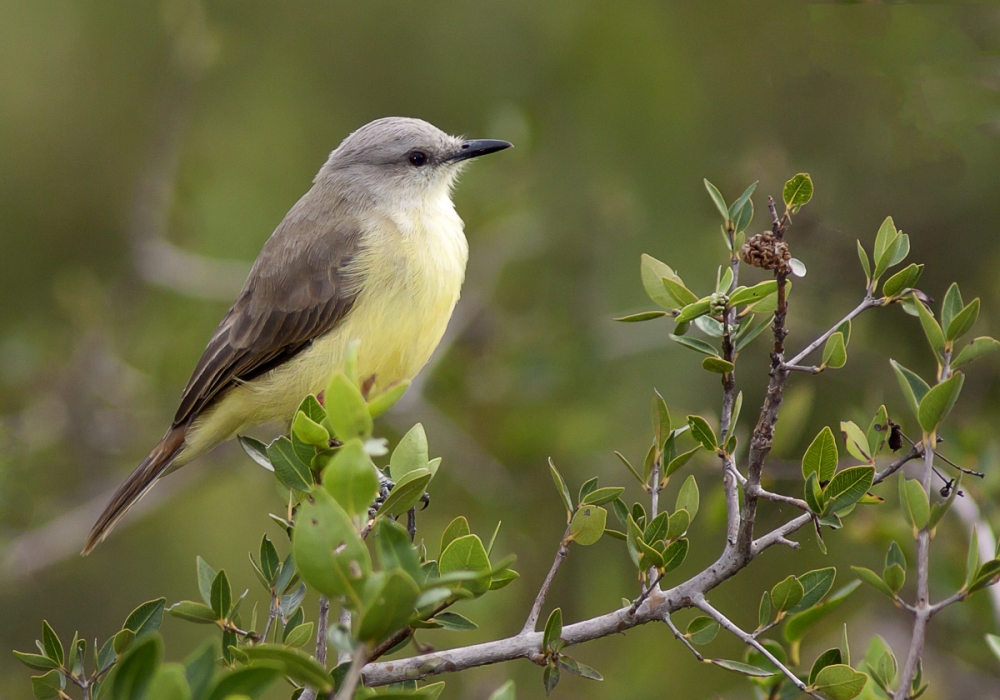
(413, 277)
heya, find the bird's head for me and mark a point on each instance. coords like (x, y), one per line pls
(399, 159)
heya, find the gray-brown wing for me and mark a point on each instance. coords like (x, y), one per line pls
(300, 287)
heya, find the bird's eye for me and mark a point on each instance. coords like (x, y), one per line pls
(417, 158)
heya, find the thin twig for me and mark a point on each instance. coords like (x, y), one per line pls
(536, 608)
(321, 629)
(344, 621)
(867, 303)
(271, 615)
(808, 369)
(746, 638)
(681, 638)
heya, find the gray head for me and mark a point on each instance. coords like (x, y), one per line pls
(402, 159)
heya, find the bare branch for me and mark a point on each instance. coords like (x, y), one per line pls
(536, 608)
(353, 677)
(746, 638)
(867, 303)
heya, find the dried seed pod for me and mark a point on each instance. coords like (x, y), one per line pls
(765, 251)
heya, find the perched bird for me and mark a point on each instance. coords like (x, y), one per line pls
(374, 252)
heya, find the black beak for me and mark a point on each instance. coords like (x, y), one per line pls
(479, 147)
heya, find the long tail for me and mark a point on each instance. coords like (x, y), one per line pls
(136, 486)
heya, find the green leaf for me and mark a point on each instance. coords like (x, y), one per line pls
(902, 250)
(701, 630)
(885, 261)
(847, 488)
(750, 295)
(407, 492)
(36, 661)
(467, 554)
(455, 622)
(914, 388)
(963, 321)
(986, 576)
(562, 489)
(289, 469)
(906, 278)
(742, 668)
(835, 352)
(717, 365)
(657, 528)
(681, 294)
(587, 524)
(387, 399)
(47, 685)
(193, 612)
(703, 433)
(351, 479)
(330, 555)
(550, 678)
(821, 456)
(799, 623)
(206, 574)
(679, 461)
(745, 338)
(764, 611)
(678, 524)
(952, 304)
(169, 683)
(504, 692)
(742, 201)
(815, 585)
(974, 350)
(932, 330)
(298, 636)
(674, 555)
(797, 192)
(145, 619)
(346, 409)
(270, 563)
(873, 580)
(786, 594)
(459, 527)
(411, 453)
(221, 595)
(246, 681)
(309, 431)
(865, 265)
(813, 493)
(51, 644)
(661, 419)
(718, 200)
(653, 272)
(256, 450)
(895, 556)
(295, 664)
(641, 316)
(914, 502)
(135, 670)
(389, 607)
(688, 497)
(938, 402)
(878, 432)
(827, 658)
(553, 629)
(693, 311)
(939, 509)
(628, 465)
(993, 642)
(840, 682)
(856, 441)
(886, 234)
(394, 548)
(607, 494)
(741, 219)
(694, 344)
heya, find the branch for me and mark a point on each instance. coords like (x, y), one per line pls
(681, 638)
(353, 677)
(922, 610)
(867, 303)
(729, 626)
(536, 608)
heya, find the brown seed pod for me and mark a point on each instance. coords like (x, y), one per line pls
(767, 252)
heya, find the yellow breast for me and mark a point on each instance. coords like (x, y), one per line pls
(412, 268)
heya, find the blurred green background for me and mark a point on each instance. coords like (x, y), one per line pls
(148, 149)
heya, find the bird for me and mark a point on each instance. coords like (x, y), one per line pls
(373, 254)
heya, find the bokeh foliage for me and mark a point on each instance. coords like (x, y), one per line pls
(616, 114)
